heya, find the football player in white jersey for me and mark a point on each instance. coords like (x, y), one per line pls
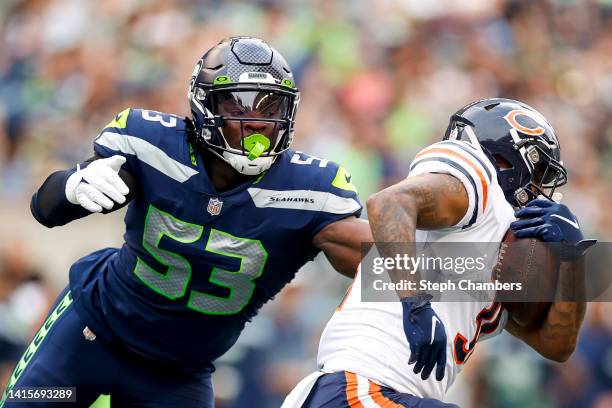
(498, 156)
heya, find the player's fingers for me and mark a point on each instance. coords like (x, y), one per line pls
(96, 196)
(529, 212)
(430, 363)
(414, 352)
(533, 232)
(87, 202)
(414, 355)
(100, 184)
(525, 223)
(115, 180)
(441, 367)
(422, 359)
(115, 162)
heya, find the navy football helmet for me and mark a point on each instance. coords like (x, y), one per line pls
(520, 143)
(243, 83)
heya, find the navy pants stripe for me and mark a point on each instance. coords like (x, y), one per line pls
(345, 389)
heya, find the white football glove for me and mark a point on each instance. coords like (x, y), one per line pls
(94, 186)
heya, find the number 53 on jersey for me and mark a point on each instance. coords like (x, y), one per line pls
(173, 283)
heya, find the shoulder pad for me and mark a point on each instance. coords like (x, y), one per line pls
(324, 175)
(133, 121)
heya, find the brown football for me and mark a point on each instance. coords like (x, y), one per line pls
(533, 264)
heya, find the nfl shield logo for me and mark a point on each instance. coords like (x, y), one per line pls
(214, 206)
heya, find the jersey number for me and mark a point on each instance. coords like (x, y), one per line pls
(173, 283)
(487, 321)
(153, 116)
(297, 159)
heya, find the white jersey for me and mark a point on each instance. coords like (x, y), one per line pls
(367, 338)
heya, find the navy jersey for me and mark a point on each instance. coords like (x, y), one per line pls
(196, 265)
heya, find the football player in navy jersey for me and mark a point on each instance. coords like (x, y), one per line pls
(222, 213)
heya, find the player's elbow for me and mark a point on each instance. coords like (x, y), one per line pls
(561, 352)
(566, 352)
(46, 215)
(560, 356)
(39, 214)
(374, 203)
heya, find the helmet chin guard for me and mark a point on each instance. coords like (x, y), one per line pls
(243, 165)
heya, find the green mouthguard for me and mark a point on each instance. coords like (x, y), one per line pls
(255, 144)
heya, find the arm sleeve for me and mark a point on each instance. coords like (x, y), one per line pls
(340, 198)
(469, 165)
(49, 204)
(51, 208)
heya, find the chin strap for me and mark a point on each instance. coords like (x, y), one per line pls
(243, 165)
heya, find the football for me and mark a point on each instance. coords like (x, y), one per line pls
(535, 266)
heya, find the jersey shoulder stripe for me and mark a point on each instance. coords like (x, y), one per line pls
(151, 137)
(305, 200)
(465, 162)
(471, 193)
(146, 152)
(465, 147)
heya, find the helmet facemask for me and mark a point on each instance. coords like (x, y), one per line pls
(546, 173)
(246, 125)
(528, 171)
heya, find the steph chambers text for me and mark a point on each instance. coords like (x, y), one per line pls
(449, 285)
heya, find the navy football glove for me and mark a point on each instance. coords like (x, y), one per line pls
(426, 335)
(551, 222)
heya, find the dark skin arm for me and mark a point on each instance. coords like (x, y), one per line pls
(435, 201)
(341, 242)
(427, 202)
(556, 338)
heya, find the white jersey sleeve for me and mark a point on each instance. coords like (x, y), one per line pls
(467, 163)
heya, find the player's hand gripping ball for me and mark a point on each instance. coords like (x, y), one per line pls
(552, 222)
(547, 221)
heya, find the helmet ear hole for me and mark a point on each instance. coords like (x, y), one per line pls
(501, 162)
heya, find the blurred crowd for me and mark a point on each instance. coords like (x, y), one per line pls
(379, 80)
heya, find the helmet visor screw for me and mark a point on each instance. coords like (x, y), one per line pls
(522, 196)
(534, 156)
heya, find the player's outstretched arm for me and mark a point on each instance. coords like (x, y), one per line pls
(553, 222)
(96, 185)
(341, 242)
